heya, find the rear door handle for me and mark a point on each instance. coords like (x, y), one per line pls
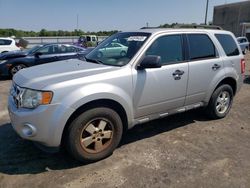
(216, 67)
(177, 74)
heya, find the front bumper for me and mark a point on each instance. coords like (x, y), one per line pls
(4, 71)
(44, 124)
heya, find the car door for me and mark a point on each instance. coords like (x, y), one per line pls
(204, 65)
(159, 90)
(48, 53)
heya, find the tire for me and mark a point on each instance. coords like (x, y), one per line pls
(94, 134)
(99, 54)
(14, 69)
(123, 54)
(220, 102)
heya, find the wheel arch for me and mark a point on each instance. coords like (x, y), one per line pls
(230, 81)
(226, 80)
(109, 103)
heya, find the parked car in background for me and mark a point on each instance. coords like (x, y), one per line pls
(12, 62)
(86, 106)
(244, 44)
(7, 45)
(113, 49)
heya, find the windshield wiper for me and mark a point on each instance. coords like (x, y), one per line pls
(97, 61)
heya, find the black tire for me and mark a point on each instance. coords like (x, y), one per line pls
(87, 145)
(123, 54)
(99, 54)
(15, 68)
(218, 108)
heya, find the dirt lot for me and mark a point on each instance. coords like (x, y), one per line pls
(184, 150)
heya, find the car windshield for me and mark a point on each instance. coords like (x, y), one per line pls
(118, 49)
(32, 50)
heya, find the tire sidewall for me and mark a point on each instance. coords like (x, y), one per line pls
(24, 66)
(80, 122)
(214, 98)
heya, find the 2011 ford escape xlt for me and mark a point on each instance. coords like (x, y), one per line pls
(87, 105)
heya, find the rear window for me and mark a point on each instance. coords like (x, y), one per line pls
(201, 47)
(228, 44)
(5, 42)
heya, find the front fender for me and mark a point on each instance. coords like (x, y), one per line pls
(98, 91)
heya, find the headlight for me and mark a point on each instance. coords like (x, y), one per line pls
(32, 98)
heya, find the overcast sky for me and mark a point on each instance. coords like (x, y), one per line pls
(96, 15)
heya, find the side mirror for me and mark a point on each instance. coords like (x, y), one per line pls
(150, 61)
(37, 54)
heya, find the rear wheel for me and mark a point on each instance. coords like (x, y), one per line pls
(16, 68)
(220, 102)
(94, 134)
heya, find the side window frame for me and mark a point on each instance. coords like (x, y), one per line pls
(204, 58)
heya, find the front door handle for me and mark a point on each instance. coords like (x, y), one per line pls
(216, 67)
(177, 74)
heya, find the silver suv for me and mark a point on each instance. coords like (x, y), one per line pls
(87, 105)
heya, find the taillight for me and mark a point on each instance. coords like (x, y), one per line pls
(243, 66)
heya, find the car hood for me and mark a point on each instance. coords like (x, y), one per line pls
(13, 54)
(41, 76)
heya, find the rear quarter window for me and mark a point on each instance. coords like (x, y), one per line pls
(5, 42)
(201, 47)
(228, 44)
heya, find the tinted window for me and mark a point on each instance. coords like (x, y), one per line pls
(5, 42)
(169, 48)
(201, 47)
(67, 49)
(228, 44)
(53, 49)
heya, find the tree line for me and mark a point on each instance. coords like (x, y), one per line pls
(47, 33)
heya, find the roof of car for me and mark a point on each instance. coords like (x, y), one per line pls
(6, 38)
(159, 30)
(241, 37)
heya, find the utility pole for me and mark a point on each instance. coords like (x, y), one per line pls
(206, 12)
(77, 22)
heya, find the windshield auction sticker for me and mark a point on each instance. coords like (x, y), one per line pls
(137, 38)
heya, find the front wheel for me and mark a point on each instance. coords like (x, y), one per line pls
(94, 134)
(14, 69)
(220, 102)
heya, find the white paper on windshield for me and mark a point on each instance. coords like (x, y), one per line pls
(137, 38)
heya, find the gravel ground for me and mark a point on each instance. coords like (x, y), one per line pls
(185, 150)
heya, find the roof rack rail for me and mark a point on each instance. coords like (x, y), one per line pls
(199, 26)
(188, 26)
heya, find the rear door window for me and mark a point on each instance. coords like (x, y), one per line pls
(201, 47)
(228, 44)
